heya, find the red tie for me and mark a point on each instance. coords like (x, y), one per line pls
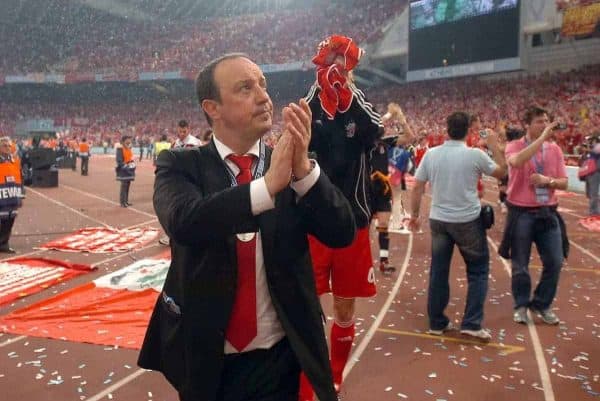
(242, 328)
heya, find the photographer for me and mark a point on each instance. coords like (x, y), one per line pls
(455, 219)
(536, 170)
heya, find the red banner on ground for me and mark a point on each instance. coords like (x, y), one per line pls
(103, 240)
(20, 277)
(591, 223)
(112, 310)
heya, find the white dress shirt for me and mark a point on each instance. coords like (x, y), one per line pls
(269, 330)
(190, 141)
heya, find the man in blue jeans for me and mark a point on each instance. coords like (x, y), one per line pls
(453, 170)
(536, 170)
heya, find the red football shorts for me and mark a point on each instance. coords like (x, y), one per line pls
(347, 272)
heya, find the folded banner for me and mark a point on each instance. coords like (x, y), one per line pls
(112, 310)
(591, 223)
(20, 277)
(103, 240)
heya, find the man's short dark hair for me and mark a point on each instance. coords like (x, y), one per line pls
(125, 137)
(182, 123)
(513, 134)
(533, 112)
(206, 87)
(163, 138)
(458, 125)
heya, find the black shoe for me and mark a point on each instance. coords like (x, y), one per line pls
(7, 249)
(129, 204)
(124, 205)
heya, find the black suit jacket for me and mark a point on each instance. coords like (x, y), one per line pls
(201, 213)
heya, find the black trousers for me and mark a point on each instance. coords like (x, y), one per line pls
(6, 225)
(124, 193)
(84, 165)
(261, 375)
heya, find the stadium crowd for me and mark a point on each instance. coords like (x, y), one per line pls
(572, 98)
(97, 43)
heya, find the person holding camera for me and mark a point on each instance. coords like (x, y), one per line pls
(536, 170)
(453, 170)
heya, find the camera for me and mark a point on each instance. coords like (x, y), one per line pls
(560, 126)
(483, 134)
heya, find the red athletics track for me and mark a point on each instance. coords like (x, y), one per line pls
(393, 357)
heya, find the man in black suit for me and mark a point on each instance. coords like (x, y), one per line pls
(239, 317)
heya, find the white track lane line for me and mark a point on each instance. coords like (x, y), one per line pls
(584, 250)
(12, 341)
(22, 255)
(105, 200)
(381, 315)
(535, 339)
(49, 199)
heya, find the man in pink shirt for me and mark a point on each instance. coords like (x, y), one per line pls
(536, 170)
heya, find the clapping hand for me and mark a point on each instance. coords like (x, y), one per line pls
(297, 119)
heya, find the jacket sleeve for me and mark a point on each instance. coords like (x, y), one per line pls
(186, 212)
(120, 158)
(368, 120)
(327, 214)
(317, 140)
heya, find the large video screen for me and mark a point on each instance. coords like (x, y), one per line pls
(451, 32)
(424, 13)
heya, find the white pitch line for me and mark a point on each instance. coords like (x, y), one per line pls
(105, 200)
(373, 329)
(584, 250)
(117, 385)
(21, 255)
(12, 341)
(46, 197)
(535, 340)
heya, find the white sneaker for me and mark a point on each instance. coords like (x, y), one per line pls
(482, 334)
(520, 315)
(449, 327)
